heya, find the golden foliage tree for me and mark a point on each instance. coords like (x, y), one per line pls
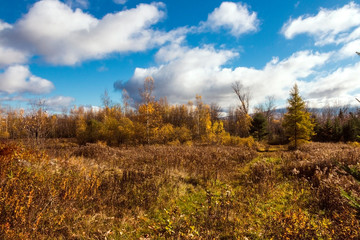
(297, 123)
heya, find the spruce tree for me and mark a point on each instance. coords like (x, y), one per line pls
(259, 126)
(297, 123)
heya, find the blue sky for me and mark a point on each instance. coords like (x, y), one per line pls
(69, 52)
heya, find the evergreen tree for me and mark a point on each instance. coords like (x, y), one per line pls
(351, 129)
(297, 123)
(337, 130)
(259, 126)
(324, 131)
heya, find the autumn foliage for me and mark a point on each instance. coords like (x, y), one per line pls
(71, 191)
(161, 171)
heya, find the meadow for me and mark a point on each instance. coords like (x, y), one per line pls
(58, 189)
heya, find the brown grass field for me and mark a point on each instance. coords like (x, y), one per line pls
(60, 190)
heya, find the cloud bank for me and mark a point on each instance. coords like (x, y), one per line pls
(60, 35)
(339, 28)
(185, 72)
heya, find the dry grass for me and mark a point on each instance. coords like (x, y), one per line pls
(68, 191)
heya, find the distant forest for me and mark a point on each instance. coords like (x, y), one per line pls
(157, 122)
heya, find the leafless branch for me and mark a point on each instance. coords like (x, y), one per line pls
(243, 94)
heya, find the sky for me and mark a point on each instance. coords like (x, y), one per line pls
(68, 52)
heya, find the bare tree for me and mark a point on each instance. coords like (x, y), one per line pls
(243, 121)
(147, 90)
(215, 112)
(270, 107)
(36, 122)
(105, 98)
(244, 96)
(126, 101)
(147, 99)
(267, 108)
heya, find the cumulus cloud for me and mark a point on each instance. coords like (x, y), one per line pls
(61, 35)
(328, 26)
(185, 72)
(235, 17)
(18, 79)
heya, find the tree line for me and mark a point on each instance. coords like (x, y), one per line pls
(155, 121)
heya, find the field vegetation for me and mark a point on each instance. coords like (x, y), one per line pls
(160, 171)
(66, 191)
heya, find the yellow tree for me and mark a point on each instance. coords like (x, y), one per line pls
(36, 122)
(16, 122)
(126, 130)
(166, 133)
(218, 133)
(149, 110)
(4, 133)
(297, 123)
(202, 119)
(80, 123)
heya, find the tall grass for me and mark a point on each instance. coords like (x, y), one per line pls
(66, 191)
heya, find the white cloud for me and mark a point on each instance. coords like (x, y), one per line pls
(10, 56)
(348, 37)
(120, 1)
(185, 72)
(4, 25)
(328, 26)
(349, 49)
(59, 102)
(337, 84)
(234, 17)
(61, 35)
(344, 100)
(17, 98)
(18, 79)
(91, 108)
